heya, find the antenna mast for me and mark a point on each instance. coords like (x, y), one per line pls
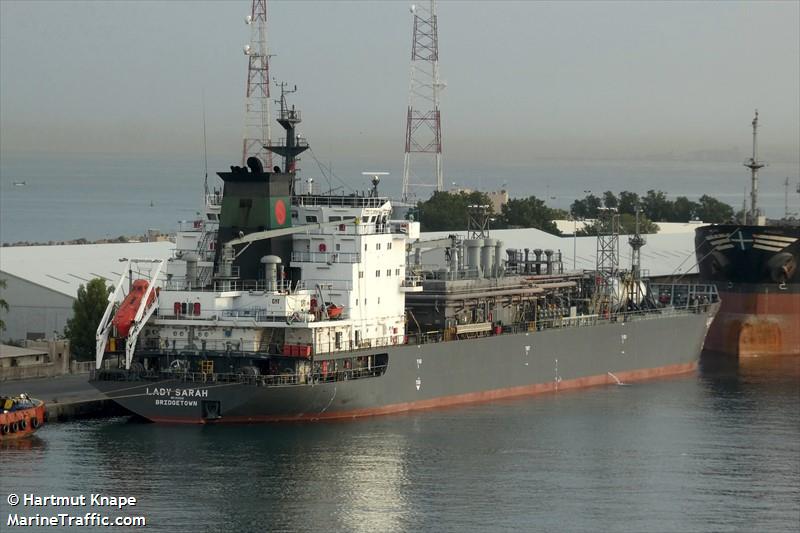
(786, 198)
(607, 270)
(205, 152)
(754, 165)
(423, 122)
(256, 111)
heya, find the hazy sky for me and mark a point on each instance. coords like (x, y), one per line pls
(524, 79)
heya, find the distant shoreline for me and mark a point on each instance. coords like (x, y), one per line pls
(161, 237)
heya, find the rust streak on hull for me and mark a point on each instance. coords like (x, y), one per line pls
(756, 324)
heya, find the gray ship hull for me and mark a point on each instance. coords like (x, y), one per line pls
(444, 373)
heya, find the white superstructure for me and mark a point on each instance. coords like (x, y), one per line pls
(350, 292)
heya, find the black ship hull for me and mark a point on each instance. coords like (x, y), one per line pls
(755, 269)
(437, 374)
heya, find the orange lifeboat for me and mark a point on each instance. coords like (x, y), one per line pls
(123, 319)
(334, 311)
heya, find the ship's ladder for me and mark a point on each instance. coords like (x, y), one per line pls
(204, 273)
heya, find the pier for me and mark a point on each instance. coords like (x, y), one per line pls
(68, 397)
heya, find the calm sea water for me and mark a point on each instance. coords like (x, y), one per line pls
(715, 451)
(68, 197)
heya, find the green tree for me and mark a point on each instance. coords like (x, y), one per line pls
(87, 311)
(656, 206)
(609, 200)
(3, 305)
(712, 210)
(586, 208)
(529, 212)
(627, 226)
(446, 211)
(683, 210)
(628, 201)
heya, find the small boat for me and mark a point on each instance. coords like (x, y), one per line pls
(334, 311)
(19, 184)
(20, 416)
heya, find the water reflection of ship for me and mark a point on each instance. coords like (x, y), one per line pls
(728, 377)
(755, 268)
(356, 462)
(32, 442)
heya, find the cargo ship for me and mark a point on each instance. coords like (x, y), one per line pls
(280, 305)
(754, 266)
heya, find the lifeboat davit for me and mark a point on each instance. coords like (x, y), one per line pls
(123, 319)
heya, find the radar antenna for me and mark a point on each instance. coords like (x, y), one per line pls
(376, 179)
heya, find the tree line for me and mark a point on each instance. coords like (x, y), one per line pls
(655, 206)
(449, 211)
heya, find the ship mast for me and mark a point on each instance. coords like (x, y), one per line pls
(754, 165)
(293, 145)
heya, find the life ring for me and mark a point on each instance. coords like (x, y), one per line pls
(322, 247)
(34, 422)
(4, 429)
(22, 424)
(13, 427)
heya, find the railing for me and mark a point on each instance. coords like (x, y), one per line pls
(326, 257)
(338, 201)
(684, 295)
(348, 228)
(412, 280)
(269, 380)
(298, 141)
(592, 320)
(214, 199)
(191, 225)
(289, 114)
(235, 269)
(254, 285)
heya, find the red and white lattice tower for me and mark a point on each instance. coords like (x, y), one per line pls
(423, 122)
(256, 110)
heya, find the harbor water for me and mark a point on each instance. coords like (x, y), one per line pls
(105, 196)
(718, 450)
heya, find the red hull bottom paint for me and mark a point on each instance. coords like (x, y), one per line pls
(473, 397)
(755, 325)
